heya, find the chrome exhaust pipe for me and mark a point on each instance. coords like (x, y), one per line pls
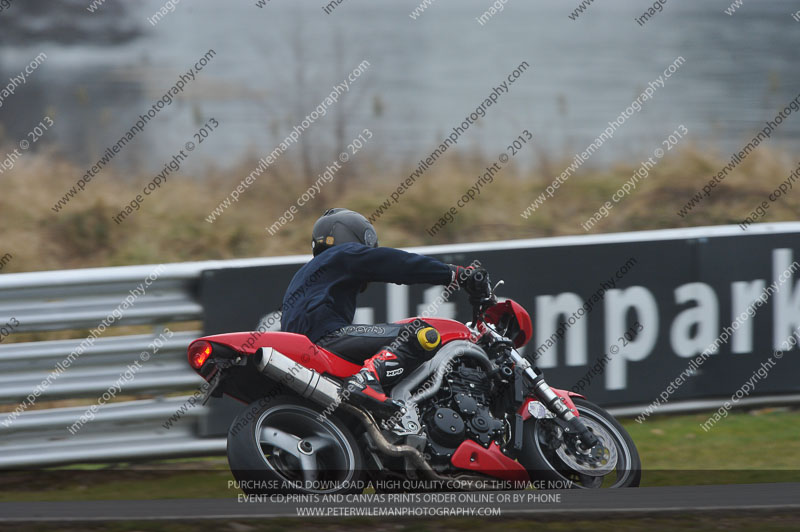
(305, 381)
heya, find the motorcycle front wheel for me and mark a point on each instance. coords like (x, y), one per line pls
(552, 456)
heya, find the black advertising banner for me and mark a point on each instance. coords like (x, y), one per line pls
(624, 319)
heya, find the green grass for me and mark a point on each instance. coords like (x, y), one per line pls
(747, 446)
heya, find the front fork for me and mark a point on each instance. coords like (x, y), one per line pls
(570, 422)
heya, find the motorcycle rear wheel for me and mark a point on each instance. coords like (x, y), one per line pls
(286, 446)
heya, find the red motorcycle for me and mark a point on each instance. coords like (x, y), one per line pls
(477, 415)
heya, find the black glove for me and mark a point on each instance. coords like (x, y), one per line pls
(474, 280)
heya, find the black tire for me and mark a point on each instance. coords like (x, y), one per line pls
(266, 462)
(543, 451)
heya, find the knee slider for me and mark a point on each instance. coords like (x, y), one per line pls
(429, 338)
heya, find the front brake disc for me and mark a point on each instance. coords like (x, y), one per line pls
(598, 461)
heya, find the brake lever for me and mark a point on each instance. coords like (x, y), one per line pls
(480, 307)
(483, 303)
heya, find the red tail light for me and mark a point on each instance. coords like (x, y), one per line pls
(198, 353)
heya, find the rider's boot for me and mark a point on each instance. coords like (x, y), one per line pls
(364, 388)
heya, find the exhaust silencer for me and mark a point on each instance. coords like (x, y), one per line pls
(305, 381)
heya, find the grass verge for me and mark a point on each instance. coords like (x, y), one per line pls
(747, 447)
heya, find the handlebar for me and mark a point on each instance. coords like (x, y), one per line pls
(479, 305)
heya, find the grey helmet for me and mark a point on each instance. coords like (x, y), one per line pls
(338, 226)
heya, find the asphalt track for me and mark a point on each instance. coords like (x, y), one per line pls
(638, 501)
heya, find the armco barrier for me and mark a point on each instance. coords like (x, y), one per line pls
(79, 301)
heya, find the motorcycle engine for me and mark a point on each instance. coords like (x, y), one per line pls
(460, 411)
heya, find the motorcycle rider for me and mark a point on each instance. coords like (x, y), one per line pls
(320, 303)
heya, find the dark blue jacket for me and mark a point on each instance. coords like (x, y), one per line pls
(322, 295)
